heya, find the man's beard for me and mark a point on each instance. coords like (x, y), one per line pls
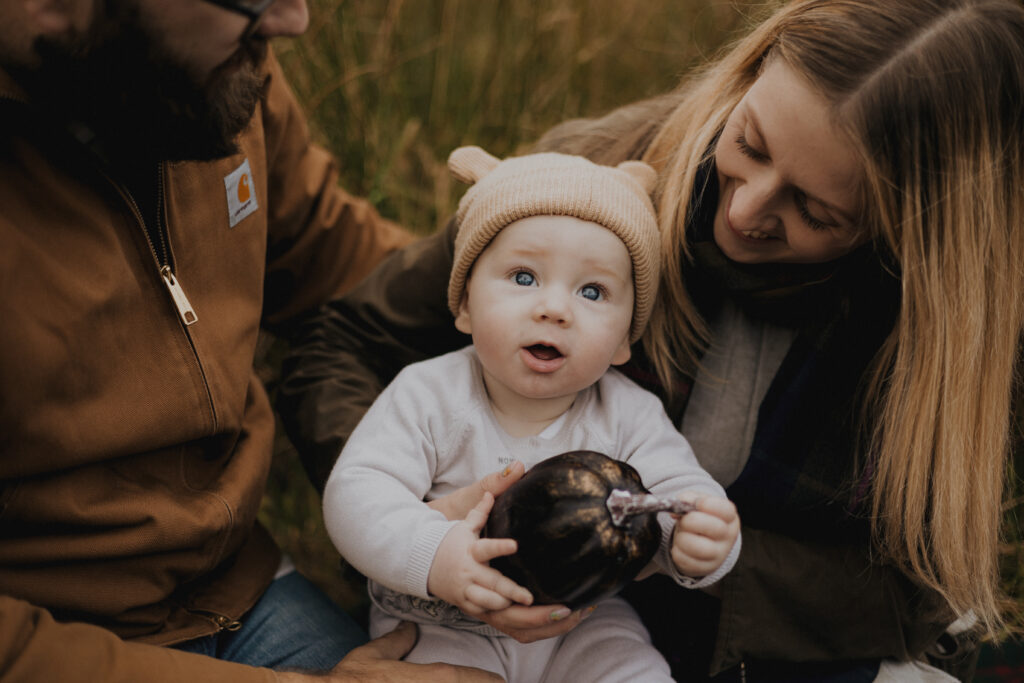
(140, 100)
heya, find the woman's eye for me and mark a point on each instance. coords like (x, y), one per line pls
(805, 215)
(523, 278)
(592, 292)
(747, 150)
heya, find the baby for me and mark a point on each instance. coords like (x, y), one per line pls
(554, 276)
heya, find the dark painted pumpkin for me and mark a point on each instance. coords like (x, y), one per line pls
(569, 551)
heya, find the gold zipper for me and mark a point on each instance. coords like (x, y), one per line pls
(181, 302)
(223, 623)
(226, 623)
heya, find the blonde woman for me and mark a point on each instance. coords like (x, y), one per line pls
(837, 333)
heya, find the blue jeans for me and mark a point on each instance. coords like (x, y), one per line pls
(293, 626)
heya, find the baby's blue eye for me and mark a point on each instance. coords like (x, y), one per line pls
(523, 278)
(592, 292)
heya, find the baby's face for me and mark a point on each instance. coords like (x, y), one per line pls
(549, 304)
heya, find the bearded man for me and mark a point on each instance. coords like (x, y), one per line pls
(161, 203)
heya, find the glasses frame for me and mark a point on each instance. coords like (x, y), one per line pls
(254, 13)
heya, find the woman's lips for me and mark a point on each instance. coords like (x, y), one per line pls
(542, 358)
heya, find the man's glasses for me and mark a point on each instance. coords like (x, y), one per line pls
(253, 9)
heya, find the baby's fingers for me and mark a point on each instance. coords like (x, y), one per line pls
(483, 600)
(722, 508)
(486, 549)
(699, 548)
(703, 524)
(499, 584)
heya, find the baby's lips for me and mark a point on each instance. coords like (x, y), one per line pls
(544, 351)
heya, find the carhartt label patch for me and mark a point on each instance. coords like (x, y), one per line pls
(241, 193)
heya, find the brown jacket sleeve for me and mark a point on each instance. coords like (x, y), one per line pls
(322, 240)
(346, 352)
(34, 647)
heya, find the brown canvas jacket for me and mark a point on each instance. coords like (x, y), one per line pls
(134, 442)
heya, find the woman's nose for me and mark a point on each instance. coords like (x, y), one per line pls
(284, 18)
(755, 203)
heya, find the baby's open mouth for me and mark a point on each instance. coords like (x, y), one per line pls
(544, 352)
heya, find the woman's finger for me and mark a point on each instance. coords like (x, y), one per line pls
(530, 624)
(457, 505)
(477, 517)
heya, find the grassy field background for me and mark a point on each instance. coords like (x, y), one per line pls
(392, 86)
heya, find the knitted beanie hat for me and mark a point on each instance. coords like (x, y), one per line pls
(617, 198)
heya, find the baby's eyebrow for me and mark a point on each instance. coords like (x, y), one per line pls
(607, 271)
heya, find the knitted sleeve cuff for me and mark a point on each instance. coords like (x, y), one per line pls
(422, 555)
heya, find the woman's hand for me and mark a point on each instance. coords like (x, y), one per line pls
(703, 538)
(456, 505)
(537, 622)
(460, 573)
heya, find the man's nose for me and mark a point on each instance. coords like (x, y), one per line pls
(284, 18)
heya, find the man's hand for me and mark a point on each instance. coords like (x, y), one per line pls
(703, 538)
(460, 573)
(377, 661)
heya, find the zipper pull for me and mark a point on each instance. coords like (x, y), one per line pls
(227, 623)
(185, 310)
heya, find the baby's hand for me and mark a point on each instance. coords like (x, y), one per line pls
(460, 574)
(703, 538)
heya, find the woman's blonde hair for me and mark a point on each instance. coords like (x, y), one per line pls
(931, 92)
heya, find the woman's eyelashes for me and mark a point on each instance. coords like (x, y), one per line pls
(805, 214)
(747, 150)
(799, 198)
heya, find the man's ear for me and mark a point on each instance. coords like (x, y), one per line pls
(462, 321)
(623, 353)
(50, 17)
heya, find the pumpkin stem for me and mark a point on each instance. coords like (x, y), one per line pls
(623, 504)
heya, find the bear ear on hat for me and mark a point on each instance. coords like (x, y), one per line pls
(645, 176)
(470, 164)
